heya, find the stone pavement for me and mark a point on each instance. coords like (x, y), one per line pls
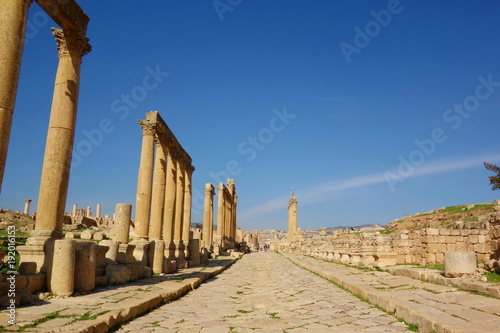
(431, 307)
(106, 307)
(265, 292)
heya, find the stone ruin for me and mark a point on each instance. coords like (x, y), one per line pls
(162, 240)
(426, 246)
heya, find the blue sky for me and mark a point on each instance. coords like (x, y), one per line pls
(369, 109)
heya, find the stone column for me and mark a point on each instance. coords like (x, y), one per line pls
(169, 209)
(60, 137)
(208, 215)
(75, 209)
(89, 213)
(61, 279)
(27, 206)
(98, 210)
(179, 210)
(292, 218)
(144, 181)
(122, 223)
(13, 15)
(220, 212)
(158, 200)
(233, 218)
(85, 264)
(186, 222)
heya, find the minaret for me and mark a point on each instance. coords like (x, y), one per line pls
(292, 217)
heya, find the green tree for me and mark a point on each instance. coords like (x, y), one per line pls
(494, 180)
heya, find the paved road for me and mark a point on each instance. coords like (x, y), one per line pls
(265, 292)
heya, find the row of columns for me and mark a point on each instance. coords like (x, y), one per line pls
(164, 191)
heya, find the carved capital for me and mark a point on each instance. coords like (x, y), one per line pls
(70, 42)
(189, 169)
(209, 189)
(148, 128)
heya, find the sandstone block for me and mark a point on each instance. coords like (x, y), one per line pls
(118, 274)
(36, 282)
(444, 231)
(451, 247)
(27, 268)
(432, 231)
(481, 248)
(459, 263)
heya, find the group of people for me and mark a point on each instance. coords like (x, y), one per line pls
(264, 247)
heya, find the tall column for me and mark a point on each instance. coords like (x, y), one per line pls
(179, 209)
(208, 215)
(75, 209)
(220, 212)
(13, 15)
(98, 210)
(186, 223)
(89, 213)
(144, 181)
(292, 218)
(72, 46)
(233, 218)
(27, 206)
(231, 234)
(158, 200)
(169, 208)
(227, 216)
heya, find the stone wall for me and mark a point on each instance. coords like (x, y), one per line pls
(425, 246)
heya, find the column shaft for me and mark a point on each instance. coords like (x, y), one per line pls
(13, 15)
(158, 200)
(98, 210)
(169, 209)
(144, 181)
(61, 133)
(186, 223)
(179, 202)
(220, 211)
(207, 216)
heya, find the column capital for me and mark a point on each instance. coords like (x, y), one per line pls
(189, 169)
(148, 127)
(209, 189)
(70, 42)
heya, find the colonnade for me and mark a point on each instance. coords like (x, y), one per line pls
(164, 193)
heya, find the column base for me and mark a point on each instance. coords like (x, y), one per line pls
(169, 249)
(125, 254)
(179, 249)
(39, 249)
(169, 265)
(141, 250)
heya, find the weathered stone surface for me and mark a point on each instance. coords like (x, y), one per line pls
(85, 264)
(27, 268)
(118, 274)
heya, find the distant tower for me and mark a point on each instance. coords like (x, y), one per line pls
(292, 217)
